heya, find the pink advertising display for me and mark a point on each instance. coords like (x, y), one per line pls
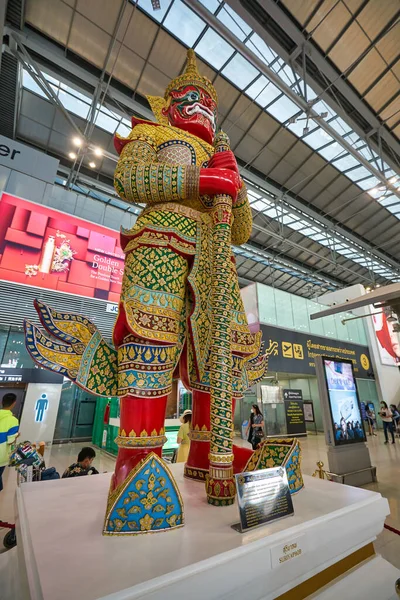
(45, 248)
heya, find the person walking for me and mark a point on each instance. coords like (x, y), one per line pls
(387, 419)
(9, 428)
(183, 438)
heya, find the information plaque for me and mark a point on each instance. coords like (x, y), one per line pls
(263, 496)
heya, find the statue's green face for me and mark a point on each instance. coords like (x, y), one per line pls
(192, 109)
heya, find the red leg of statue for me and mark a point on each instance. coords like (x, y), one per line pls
(198, 461)
(141, 432)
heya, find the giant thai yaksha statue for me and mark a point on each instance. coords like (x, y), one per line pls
(180, 312)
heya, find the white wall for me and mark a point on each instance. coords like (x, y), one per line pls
(37, 431)
(387, 378)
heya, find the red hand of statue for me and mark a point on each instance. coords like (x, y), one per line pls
(224, 160)
(219, 181)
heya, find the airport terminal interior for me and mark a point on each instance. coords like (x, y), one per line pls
(200, 299)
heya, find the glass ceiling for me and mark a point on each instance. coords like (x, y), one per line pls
(246, 251)
(191, 30)
(177, 18)
(301, 223)
(79, 104)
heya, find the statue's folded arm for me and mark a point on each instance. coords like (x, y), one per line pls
(139, 177)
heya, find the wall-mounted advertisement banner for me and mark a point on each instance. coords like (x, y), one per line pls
(387, 339)
(297, 351)
(45, 248)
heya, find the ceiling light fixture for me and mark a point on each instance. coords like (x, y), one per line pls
(98, 152)
(92, 164)
(393, 179)
(72, 155)
(77, 141)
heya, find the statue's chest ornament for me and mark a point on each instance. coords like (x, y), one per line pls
(177, 152)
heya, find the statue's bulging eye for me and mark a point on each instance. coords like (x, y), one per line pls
(193, 96)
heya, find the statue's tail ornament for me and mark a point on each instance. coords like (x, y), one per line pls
(257, 367)
(71, 345)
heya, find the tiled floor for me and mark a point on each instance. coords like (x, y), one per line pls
(385, 457)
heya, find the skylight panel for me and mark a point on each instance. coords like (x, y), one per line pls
(73, 104)
(240, 71)
(340, 126)
(234, 23)
(184, 23)
(298, 127)
(332, 151)
(283, 109)
(157, 15)
(387, 201)
(352, 138)
(258, 205)
(30, 84)
(84, 97)
(214, 49)
(367, 184)
(318, 138)
(271, 212)
(287, 220)
(322, 107)
(359, 173)
(106, 122)
(367, 153)
(124, 128)
(261, 49)
(211, 5)
(263, 91)
(287, 75)
(347, 162)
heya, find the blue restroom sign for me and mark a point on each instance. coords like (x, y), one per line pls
(40, 409)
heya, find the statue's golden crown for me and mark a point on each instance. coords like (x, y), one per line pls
(191, 76)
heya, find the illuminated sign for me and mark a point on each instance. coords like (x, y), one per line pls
(40, 408)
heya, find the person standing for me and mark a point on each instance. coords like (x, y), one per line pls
(387, 419)
(9, 428)
(256, 427)
(371, 421)
(183, 438)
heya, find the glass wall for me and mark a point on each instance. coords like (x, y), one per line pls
(309, 387)
(276, 307)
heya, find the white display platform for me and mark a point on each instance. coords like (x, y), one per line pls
(64, 555)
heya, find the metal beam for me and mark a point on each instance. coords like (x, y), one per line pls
(321, 220)
(291, 94)
(3, 6)
(332, 75)
(54, 54)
